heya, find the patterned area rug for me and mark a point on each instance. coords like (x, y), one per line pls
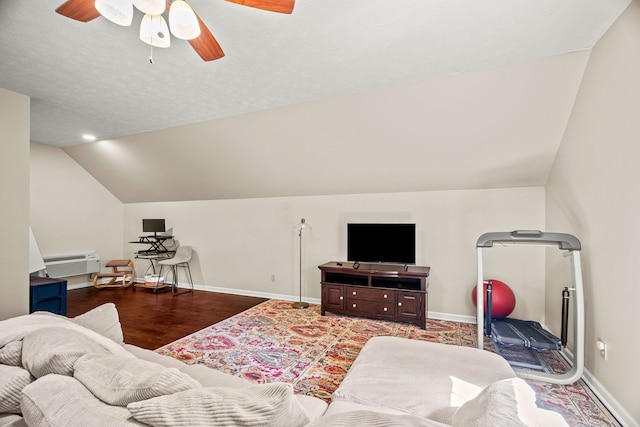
(274, 342)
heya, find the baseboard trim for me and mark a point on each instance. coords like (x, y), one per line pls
(609, 401)
(251, 293)
(451, 317)
(430, 315)
(80, 285)
(603, 394)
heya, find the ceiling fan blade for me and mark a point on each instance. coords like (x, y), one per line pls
(80, 10)
(205, 44)
(280, 6)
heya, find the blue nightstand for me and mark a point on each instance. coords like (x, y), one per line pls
(48, 294)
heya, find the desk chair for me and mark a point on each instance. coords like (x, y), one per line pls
(122, 276)
(180, 260)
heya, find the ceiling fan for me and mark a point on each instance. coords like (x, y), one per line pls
(200, 39)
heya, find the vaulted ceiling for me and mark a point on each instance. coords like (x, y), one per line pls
(340, 97)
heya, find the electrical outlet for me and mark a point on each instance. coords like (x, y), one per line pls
(602, 346)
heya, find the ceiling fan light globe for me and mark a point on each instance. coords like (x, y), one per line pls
(117, 11)
(183, 21)
(154, 31)
(152, 7)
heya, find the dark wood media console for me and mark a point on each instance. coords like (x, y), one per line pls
(376, 291)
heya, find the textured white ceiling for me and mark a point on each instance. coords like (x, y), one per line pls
(95, 77)
(498, 127)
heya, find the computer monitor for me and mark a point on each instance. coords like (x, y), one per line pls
(154, 226)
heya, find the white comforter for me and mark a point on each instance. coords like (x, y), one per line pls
(55, 372)
(16, 328)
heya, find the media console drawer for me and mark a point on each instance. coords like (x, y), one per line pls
(365, 293)
(375, 309)
(388, 292)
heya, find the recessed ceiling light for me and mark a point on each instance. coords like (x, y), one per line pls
(88, 137)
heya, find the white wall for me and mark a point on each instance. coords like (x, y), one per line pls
(593, 191)
(70, 210)
(14, 215)
(241, 244)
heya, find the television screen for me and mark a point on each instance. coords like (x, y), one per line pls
(388, 243)
(153, 225)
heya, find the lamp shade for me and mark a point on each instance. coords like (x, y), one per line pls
(183, 21)
(154, 31)
(152, 7)
(36, 262)
(117, 11)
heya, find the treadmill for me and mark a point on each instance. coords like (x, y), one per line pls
(517, 331)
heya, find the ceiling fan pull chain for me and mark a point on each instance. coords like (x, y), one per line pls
(151, 54)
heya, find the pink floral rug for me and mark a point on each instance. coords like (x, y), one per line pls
(275, 342)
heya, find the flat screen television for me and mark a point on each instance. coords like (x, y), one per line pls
(153, 226)
(382, 243)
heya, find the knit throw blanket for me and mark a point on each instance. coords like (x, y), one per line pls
(258, 405)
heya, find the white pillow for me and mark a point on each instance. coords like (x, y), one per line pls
(12, 380)
(56, 400)
(12, 420)
(120, 380)
(104, 320)
(505, 403)
(11, 354)
(55, 350)
(372, 418)
(263, 405)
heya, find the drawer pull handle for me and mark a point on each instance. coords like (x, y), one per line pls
(385, 295)
(385, 309)
(354, 292)
(341, 297)
(354, 306)
(399, 304)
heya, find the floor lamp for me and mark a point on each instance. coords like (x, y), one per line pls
(302, 225)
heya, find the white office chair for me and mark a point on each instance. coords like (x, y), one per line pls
(180, 260)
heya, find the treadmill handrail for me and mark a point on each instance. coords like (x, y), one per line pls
(563, 240)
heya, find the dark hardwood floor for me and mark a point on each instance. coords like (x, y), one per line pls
(151, 320)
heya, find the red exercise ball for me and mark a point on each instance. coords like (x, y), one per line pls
(503, 300)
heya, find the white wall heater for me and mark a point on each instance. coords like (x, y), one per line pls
(74, 264)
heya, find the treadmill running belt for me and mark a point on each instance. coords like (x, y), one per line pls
(526, 333)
